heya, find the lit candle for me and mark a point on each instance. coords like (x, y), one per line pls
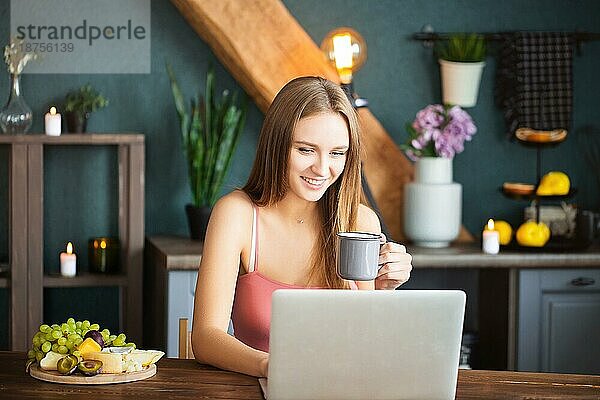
(491, 239)
(68, 262)
(53, 122)
(103, 254)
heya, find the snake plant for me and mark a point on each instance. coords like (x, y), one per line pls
(462, 47)
(210, 129)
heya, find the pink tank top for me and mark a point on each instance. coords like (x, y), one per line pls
(251, 314)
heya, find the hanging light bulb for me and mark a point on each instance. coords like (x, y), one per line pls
(347, 51)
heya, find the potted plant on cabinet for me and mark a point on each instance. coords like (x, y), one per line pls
(78, 106)
(461, 59)
(210, 130)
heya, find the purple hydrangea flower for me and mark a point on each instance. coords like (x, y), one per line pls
(411, 155)
(431, 116)
(440, 129)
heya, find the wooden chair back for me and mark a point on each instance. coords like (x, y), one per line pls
(185, 340)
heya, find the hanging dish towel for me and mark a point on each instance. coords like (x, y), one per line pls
(534, 82)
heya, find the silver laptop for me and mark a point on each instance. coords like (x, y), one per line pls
(343, 344)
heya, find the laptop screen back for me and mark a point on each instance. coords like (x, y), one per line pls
(331, 344)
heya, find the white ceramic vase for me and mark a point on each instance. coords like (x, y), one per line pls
(432, 204)
(460, 82)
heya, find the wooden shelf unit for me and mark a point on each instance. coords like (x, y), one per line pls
(26, 279)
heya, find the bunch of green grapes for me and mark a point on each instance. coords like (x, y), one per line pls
(115, 340)
(66, 337)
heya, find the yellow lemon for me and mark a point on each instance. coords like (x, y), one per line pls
(554, 183)
(533, 234)
(505, 231)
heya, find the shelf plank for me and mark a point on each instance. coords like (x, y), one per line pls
(84, 280)
(534, 196)
(76, 138)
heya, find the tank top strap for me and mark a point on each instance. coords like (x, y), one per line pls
(254, 241)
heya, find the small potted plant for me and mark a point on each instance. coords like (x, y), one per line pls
(461, 59)
(210, 130)
(78, 106)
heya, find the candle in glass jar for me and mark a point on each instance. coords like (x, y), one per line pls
(68, 262)
(103, 254)
(53, 122)
(491, 239)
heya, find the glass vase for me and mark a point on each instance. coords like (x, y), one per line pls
(15, 116)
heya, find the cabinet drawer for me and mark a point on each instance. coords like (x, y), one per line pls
(587, 279)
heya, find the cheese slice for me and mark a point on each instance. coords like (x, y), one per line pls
(115, 363)
(144, 357)
(111, 363)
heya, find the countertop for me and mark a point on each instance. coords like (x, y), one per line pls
(181, 253)
(471, 256)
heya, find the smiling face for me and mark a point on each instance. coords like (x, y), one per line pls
(318, 155)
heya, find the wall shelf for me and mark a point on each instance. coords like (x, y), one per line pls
(428, 36)
(533, 196)
(84, 280)
(25, 278)
(126, 138)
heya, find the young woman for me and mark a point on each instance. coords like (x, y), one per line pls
(279, 230)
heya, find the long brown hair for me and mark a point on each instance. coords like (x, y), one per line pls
(268, 182)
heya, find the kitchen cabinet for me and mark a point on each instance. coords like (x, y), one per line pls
(170, 282)
(181, 288)
(559, 321)
(25, 278)
(170, 285)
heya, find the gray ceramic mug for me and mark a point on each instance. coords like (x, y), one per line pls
(357, 255)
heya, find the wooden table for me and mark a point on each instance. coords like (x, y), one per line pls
(186, 379)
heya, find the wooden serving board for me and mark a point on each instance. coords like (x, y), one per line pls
(100, 379)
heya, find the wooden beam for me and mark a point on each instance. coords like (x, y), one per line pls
(264, 47)
(258, 41)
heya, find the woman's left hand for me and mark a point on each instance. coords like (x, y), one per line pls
(395, 266)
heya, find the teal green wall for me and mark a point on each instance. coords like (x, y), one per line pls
(399, 78)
